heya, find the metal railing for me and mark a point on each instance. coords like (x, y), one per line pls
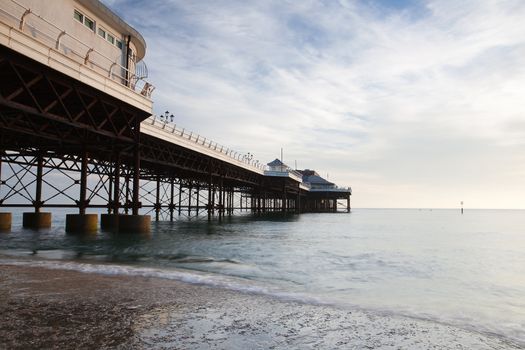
(55, 38)
(207, 145)
(331, 189)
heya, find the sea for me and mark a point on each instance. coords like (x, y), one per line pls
(465, 270)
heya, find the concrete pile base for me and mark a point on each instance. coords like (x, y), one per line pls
(36, 220)
(5, 221)
(109, 222)
(81, 223)
(134, 224)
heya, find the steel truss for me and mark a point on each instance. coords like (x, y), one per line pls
(38, 179)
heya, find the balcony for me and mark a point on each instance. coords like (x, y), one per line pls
(32, 35)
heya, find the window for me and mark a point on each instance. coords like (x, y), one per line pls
(102, 33)
(78, 16)
(112, 39)
(89, 23)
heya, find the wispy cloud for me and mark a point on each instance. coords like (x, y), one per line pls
(411, 103)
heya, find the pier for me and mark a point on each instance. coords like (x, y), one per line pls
(77, 130)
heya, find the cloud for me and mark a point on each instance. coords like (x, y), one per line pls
(391, 97)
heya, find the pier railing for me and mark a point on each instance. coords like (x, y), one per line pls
(331, 189)
(203, 144)
(23, 19)
(297, 176)
(169, 130)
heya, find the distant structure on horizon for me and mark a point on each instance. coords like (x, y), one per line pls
(322, 195)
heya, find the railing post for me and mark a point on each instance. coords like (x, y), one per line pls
(62, 33)
(86, 58)
(23, 19)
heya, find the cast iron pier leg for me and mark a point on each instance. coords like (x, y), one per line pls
(82, 203)
(136, 179)
(172, 193)
(116, 186)
(157, 201)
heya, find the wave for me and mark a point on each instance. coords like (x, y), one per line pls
(249, 286)
(191, 277)
(200, 259)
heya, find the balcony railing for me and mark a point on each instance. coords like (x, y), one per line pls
(330, 189)
(207, 146)
(24, 19)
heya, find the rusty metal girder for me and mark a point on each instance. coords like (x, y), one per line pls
(37, 100)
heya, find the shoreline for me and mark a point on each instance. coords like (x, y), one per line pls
(54, 308)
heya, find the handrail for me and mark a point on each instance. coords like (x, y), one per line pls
(169, 128)
(85, 56)
(202, 142)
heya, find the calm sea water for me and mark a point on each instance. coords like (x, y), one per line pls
(466, 270)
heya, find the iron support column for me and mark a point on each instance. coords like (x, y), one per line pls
(221, 198)
(198, 192)
(136, 179)
(82, 203)
(172, 193)
(39, 176)
(284, 203)
(116, 186)
(126, 205)
(157, 200)
(180, 197)
(210, 205)
(189, 199)
(110, 192)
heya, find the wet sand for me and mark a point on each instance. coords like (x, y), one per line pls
(60, 309)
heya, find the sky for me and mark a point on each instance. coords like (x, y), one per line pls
(414, 104)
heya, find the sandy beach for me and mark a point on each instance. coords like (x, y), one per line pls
(60, 309)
